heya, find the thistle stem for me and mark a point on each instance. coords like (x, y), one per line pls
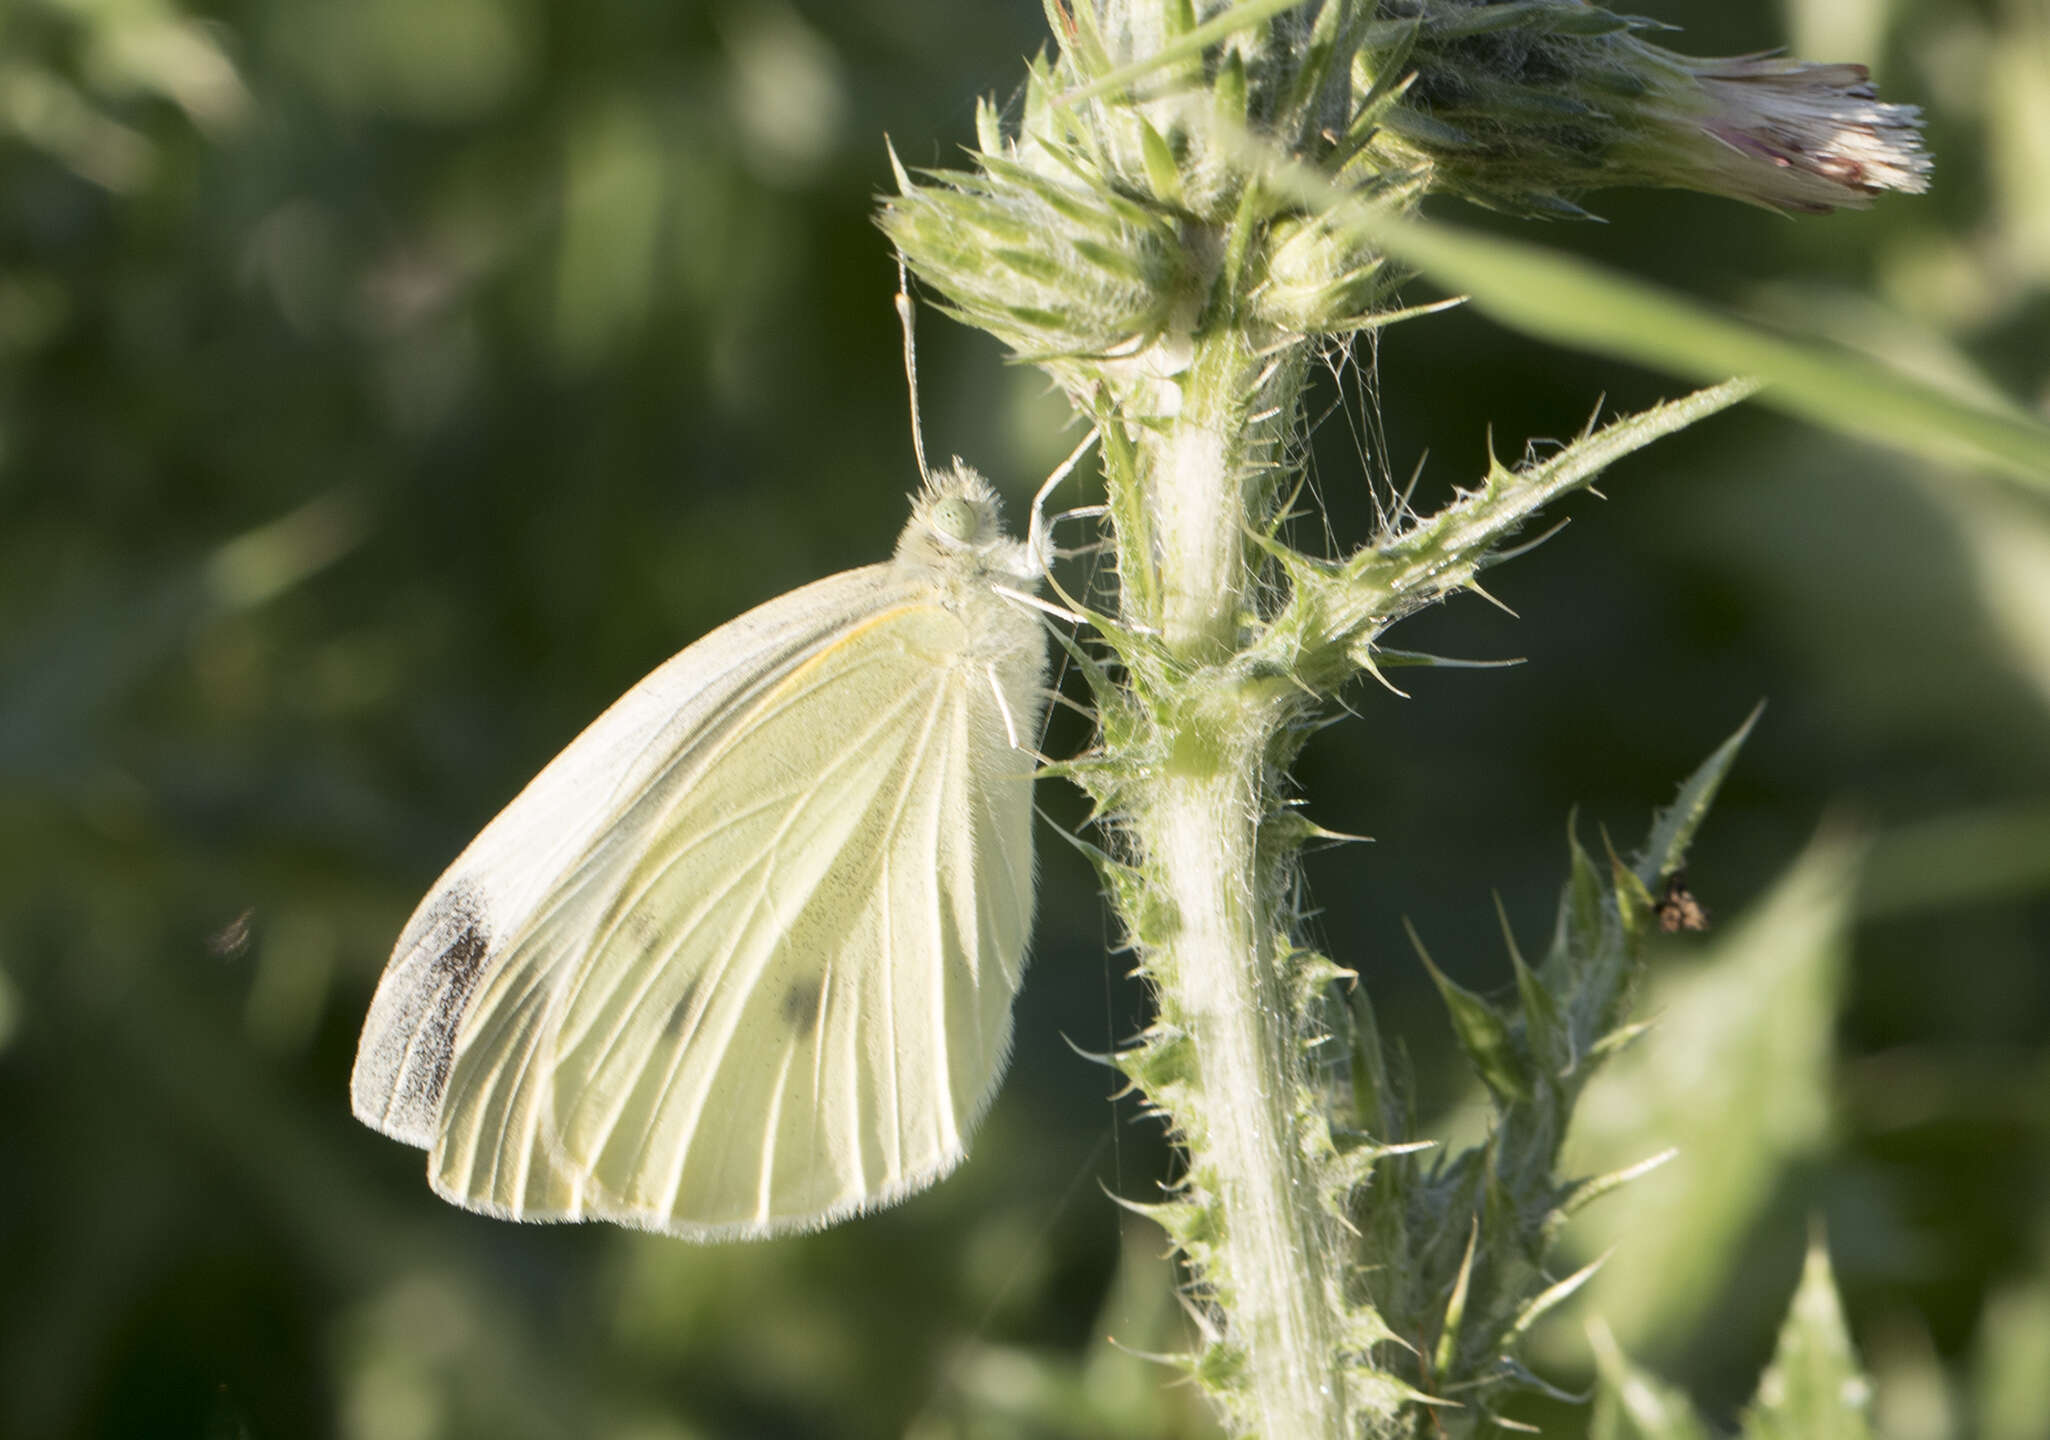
(1197, 518)
(1219, 979)
(1201, 482)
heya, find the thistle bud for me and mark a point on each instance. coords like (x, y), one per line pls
(1522, 107)
(1051, 267)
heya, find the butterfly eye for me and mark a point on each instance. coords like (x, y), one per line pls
(955, 518)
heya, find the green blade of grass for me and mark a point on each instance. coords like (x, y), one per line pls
(1570, 301)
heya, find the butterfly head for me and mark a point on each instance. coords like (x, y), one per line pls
(957, 525)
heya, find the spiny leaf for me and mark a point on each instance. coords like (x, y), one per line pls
(1481, 1031)
(1243, 16)
(1162, 173)
(1455, 1305)
(1619, 1040)
(1425, 562)
(1632, 1404)
(1634, 904)
(1673, 830)
(1374, 1104)
(1542, 1026)
(1738, 1079)
(1585, 1192)
(1814, 1389)
(1553, 1295)
(1580, 908)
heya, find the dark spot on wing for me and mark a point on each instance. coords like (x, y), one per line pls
(463, 955)
(680, 1014)
(802, 1003)
(460, 942)
(642, 931)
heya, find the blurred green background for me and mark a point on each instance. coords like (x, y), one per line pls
(385, 385)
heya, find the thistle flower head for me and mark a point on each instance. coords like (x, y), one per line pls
(1524, 106)
(1807, 137)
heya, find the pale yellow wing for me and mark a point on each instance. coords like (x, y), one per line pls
(559, 824)
(777, 989)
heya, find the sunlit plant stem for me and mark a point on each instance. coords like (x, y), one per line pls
(1180, 218)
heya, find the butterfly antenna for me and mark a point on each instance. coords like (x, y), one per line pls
(905, 318)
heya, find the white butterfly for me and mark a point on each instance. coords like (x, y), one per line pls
(740, 960)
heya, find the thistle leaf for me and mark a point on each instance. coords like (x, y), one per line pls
(1814, 1388)
(1632, 1404)
(1665, 850)
(1738, 1080)
(1482, 1033)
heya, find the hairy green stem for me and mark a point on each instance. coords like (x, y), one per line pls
(1219, 965)
(1198, 834)
(1198, 528)
(1212, 919)
(1201, 478)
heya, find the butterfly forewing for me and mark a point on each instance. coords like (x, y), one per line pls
(526, 856)
(776, 987)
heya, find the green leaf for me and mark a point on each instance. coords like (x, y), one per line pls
(1482, 1033)
(1814, 1388)
(1632, 1404)
(1569, 301)
(2010, 1381)
(10, 1011)
(1964, 858)
(1665, 849)
(1737, 1077)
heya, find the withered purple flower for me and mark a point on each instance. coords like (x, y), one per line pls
(1807, 137)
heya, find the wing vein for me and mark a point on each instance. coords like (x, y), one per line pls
(708, 1056)
(628, 905)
